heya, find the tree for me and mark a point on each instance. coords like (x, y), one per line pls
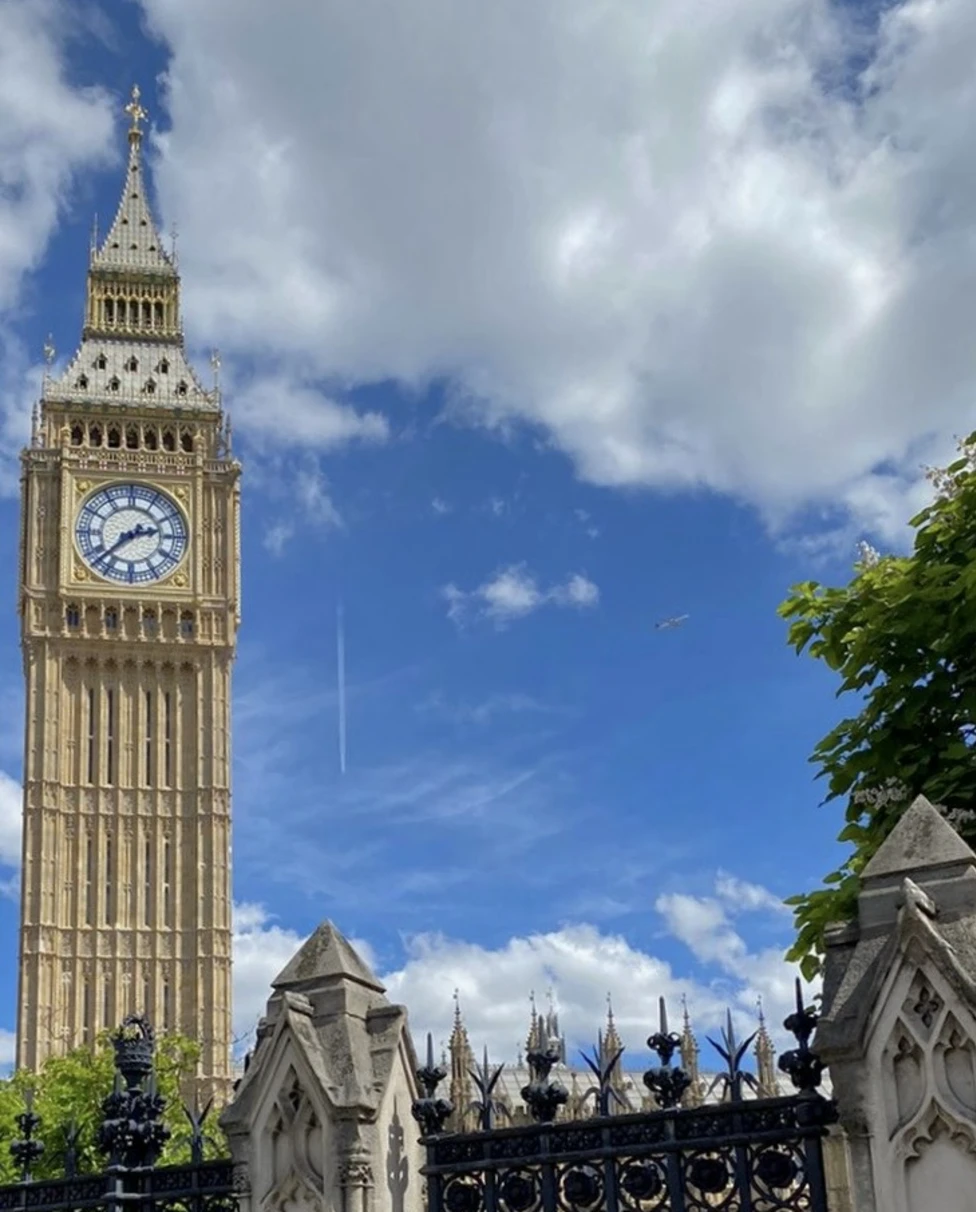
(69, 1090)
(902, 637)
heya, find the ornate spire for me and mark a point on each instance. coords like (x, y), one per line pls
(534, 1041)
(462, 1061)
(133, 242)
(765, 1055)
(695, 1095)
(610, 1038)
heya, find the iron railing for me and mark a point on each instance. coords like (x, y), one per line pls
(131, 1136)
(735, 1155)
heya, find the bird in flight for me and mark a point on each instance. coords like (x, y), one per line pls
(670, 624)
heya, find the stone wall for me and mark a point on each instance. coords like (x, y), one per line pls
(321, 1121)
(898, 1030)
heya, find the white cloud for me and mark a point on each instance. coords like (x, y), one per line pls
(276, 537)
(514, 592)
(261, 949)
(582, 965)
(441, 507)
(11, 811)
(683, 244)
(49, 133)
(740, 895)
(312, 490)
(578, 591)
(486, 710)
(280, 408)
(705, 926)
(8, 1050)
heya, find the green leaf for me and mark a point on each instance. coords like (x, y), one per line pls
(73, 1087)
(900, 638)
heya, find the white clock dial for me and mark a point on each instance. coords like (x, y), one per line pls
(131, 533)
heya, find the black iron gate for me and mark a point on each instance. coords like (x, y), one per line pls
(735, 1155)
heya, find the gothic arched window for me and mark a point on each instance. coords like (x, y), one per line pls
(101, 362)
(181, 388)
(94, 435)
(72, 616)
(169, 440)
(186, 625)
(82, 382)
(151, 439)
(186, 440)
(114, 439)
(133, 363)
(77, 435)
(132, 438)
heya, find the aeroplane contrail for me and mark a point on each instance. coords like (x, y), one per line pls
(341, 676)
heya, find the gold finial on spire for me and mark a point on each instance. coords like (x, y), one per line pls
(136, 112)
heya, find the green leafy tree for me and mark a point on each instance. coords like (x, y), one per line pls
(902, 639)
(69, 1090)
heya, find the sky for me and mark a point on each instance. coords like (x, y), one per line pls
(540, 322)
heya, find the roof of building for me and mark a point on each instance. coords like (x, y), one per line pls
(133, 242)
(921, 840)
(325, 955)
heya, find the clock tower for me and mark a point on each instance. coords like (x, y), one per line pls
(129, 590)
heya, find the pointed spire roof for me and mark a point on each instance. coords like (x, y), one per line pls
(765, 1054)
(534, 1041)
(459, 1033)
(325, 956)
(611, 1040)
(133, 242)
(921, 840)
(689, 1045)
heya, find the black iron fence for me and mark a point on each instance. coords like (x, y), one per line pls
(131, 1137)
(737, 1154)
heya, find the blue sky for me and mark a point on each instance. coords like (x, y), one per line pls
(527, 347)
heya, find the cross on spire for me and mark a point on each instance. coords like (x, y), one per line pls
(136, 111)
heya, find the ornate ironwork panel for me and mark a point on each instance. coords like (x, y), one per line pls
(741, 1154)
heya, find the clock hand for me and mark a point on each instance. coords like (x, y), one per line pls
(137, 532)
(123, 538)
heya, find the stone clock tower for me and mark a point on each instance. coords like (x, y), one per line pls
(129, 590)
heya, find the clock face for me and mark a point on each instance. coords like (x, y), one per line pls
(131, 533)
